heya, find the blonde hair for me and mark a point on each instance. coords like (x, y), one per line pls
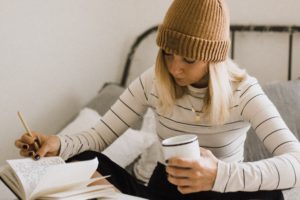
(219, 94)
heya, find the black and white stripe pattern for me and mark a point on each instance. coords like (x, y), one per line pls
(250, 106)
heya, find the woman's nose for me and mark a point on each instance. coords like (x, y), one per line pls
(175, 67)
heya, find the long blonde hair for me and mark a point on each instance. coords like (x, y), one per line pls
(219, 93)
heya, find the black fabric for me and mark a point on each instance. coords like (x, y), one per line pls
(119, 177)
(159, 188)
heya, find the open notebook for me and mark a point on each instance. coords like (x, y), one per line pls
(52, 178)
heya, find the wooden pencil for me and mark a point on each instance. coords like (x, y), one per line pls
(36, 143)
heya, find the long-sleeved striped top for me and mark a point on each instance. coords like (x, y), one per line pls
(250, 107)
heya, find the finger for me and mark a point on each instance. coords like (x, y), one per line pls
(181, 162)
(205, 152)
(28, 139)
(202, 149)
(21, 145)
(187, 189)
(180, 172)
(38, 135)
(42, 152)
(26, 153)
(179, 181)
(39, 141)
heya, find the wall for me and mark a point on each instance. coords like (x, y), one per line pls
(265, 55)
(56, 54)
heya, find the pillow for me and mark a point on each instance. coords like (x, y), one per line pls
(124, 150)
(132, 143)
(128, 147)
(85, 119)
(106, 97)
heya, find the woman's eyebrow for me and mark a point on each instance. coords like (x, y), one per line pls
(189, 59)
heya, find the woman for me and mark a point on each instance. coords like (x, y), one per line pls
(193, 88)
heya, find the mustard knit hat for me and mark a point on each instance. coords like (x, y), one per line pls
(196, 29)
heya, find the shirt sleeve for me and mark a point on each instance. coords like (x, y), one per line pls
(282, 171)
(126, 111)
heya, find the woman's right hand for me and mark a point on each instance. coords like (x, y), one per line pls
(49, 145)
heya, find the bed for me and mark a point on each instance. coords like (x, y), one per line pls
(285, 94)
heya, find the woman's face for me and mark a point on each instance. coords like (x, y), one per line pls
(186, 71)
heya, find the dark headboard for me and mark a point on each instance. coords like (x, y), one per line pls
(234, 29)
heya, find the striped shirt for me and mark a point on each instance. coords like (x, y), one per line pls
(250, 107)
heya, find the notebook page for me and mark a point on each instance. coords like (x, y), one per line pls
(72, 188)
(62, 176)
(29, 171)
(104, 194)
(8, 176)
(73, 193)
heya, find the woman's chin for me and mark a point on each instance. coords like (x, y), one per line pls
(181, 83)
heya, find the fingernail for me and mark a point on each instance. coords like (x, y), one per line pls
(36, 157)
(25, 146)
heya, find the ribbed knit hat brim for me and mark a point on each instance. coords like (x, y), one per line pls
(192, 47)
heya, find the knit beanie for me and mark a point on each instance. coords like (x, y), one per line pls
(196, 29)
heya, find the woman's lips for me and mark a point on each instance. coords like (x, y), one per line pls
(179, 80)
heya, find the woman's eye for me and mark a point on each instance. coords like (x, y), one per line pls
(189, 61)
(167, 54)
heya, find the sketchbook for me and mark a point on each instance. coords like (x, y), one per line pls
(51, 178)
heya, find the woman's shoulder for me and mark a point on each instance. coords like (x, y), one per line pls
(148, 75)
(149, 72)
(144, 81)
(245, 84)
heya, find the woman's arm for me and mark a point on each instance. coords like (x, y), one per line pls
(280, 172)
(129, 108)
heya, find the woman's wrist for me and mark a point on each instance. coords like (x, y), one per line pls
(59, 148)
(222, 176)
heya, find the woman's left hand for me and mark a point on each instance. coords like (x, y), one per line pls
(193, 175)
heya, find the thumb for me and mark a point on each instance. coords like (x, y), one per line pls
(204, 152)
(41, 152)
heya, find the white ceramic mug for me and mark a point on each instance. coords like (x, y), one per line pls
(184, 146)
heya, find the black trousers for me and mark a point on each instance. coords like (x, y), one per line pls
(159, 188)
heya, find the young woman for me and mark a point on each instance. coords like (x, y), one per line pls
(194, 88)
